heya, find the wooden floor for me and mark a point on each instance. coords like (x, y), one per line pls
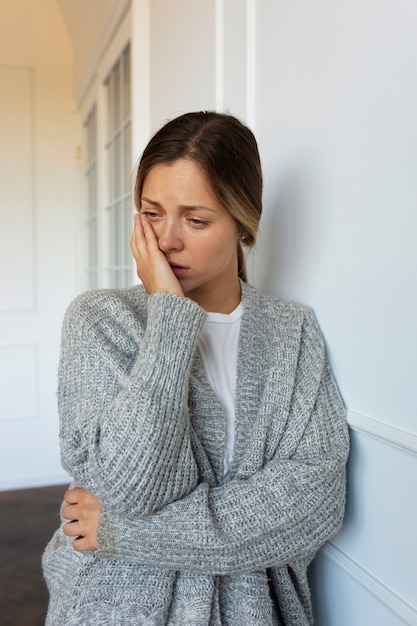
(27, 520)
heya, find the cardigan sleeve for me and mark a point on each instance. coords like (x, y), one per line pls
(124, 423)
(284, 512)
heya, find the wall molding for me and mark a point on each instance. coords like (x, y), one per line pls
(386, 433)
(391, 600)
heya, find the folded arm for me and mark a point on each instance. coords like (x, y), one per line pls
(283, 512)
(123, 400)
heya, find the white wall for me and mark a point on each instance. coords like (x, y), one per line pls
(330, 91)
(335, 118)
(336, 124)
(37, 234)
(182, 58)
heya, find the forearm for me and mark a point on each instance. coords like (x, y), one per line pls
(125, 435)
(196, 535)
(285, 511)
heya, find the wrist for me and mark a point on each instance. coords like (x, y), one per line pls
(106, 535)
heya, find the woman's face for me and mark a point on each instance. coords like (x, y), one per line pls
(194, 231)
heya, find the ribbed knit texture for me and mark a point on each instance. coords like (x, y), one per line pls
(142, 429)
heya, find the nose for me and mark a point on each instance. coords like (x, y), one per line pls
(169, 237)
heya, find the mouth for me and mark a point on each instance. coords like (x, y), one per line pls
(179, 270)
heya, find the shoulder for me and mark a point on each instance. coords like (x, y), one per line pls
(115, 315)
(280, 317)
(106, 323)
(91, 306)
(271, 306)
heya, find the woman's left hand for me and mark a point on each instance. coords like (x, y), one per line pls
(83, 511)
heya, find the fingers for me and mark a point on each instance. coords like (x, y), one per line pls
(152, 266)
(139, 243)
(144, 242)
(149, 235)
(137, 235)
(142, 235)
(82, 544)
(72, 496)
(73, 529)
(83, 540)
(133, 241)
(82, 509)
(80, 495)
(69, 512)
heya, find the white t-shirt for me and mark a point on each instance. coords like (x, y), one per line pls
(218, 348)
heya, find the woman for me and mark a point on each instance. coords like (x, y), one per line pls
(199, 418)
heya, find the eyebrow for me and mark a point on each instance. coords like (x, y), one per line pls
(193, 207)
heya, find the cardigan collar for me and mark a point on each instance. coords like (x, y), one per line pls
(209, 422)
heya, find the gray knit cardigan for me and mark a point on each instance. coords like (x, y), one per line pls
(142, 429)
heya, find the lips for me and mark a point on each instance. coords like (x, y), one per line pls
(179, 270)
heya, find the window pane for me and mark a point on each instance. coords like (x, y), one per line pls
(118, 148)
(117, 164)
(110, 106)
(117, 110)
(90, 177)
(127, 83)
(127, 170)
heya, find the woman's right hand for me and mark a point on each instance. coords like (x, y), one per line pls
(152, 266)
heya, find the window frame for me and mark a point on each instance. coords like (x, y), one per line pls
(118, 147)
(96, 98)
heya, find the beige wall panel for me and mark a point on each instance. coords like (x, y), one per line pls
(16, 189)
(18, 363)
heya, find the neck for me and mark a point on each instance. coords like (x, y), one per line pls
(219, 300)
